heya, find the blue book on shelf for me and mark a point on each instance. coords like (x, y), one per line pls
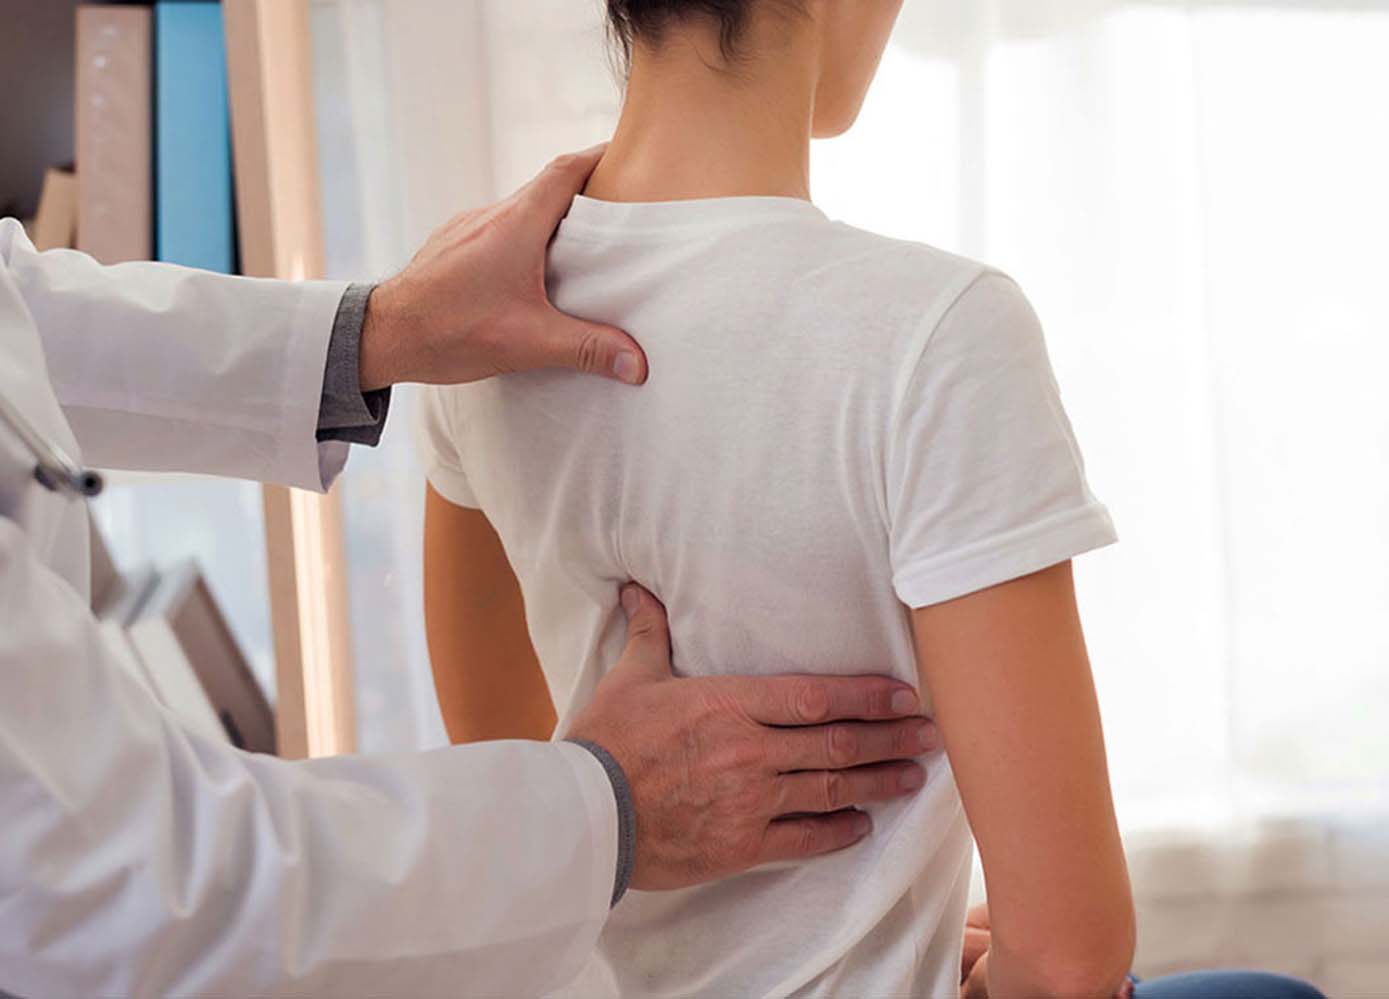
(194, 211)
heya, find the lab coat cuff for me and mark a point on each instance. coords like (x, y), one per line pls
(345, 412)
(303, 461)
(600, 807)
(626, 816)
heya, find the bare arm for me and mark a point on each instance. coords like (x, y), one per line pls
(486, 673)
(1016, 705)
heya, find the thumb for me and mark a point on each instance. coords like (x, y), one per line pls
(592, 348)
(647, 655)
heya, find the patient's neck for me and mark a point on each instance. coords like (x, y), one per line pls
(691, 131)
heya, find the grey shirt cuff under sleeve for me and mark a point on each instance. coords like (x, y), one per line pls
(345, 412)
(626, 816)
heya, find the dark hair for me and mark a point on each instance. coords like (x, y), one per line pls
(633, 20)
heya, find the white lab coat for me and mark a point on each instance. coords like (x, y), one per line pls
(139, 859)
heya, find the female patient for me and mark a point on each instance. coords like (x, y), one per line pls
(851, 457)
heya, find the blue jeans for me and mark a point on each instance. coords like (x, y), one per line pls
(1225, 985)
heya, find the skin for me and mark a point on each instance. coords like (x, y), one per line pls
(1007, 666)
(486, 672)
(973, 967)
(1015, 701)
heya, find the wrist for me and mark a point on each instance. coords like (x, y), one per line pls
(380, 349)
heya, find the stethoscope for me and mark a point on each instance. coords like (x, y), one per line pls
(55, 471)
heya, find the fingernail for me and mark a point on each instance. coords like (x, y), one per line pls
(631, 600)
(904, 702)
(862, 824)
(627, 367)
(912, 779)
(927, 737)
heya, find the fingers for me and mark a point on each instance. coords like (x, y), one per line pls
(797, 839)
(978, 915)
(813, 700)
(849, 744)
(548, 196)
(592, 348)
(553, 339)
(835, 790)
(648, 636)
(977, 943)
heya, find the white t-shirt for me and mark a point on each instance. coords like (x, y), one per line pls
(838, 427)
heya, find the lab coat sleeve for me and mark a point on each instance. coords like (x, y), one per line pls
(162, 368)
(140, 860)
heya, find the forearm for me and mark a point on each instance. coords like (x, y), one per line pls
(1016, 705)
(1002, 974)
(161, 368)
(479, 702)
(992, 966)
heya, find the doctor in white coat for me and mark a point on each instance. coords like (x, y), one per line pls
(137, 858)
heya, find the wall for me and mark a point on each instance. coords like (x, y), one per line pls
(1306, 897)
(551, 83)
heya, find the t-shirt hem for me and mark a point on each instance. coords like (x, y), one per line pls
(1005, 557)
(453, 486)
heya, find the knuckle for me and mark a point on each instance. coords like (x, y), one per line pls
(564, 163)
(498, 339)
(701, 865)
(748, 802)
(746, 844)
(905, 742)
(640, 627)
(843, 745)
(836, 791)
(589, 353)
(811, 702)
(747, 753)
(744, 852)
(809, 838)
(491, 223)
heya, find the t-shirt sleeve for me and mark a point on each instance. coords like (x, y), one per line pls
(985, 481)
(438, 442)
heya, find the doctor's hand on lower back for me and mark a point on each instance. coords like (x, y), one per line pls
(728, 773)
(473, 304)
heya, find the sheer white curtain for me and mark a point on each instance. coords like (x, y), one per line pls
(1192, 193)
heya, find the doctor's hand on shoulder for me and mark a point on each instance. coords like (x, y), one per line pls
(472, 303)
